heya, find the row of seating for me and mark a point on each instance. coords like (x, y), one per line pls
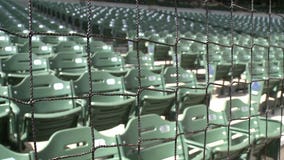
(189, 61)
(15, 20)
(112, 100)
(46, 46)
(118, 19)
(196, 61)
(241, 39)
(161, 52)
(69, 66)
(122, 101)
(75, 64)
(190, 58)
(193, 18)
(199, 126)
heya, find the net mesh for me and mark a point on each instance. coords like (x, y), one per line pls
(246, 33)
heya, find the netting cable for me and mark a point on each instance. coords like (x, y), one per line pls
(137, 40)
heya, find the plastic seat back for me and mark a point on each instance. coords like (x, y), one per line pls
(55, 114)
(272, 69)
(256, 71)
(38, 48)
(147, 79)
(97, 46)
(102, 82)
(187, 78)
(141, 46)
(7, 50)
(53, 40)
(256, 126)
(152, 101)
(207, 131)
(190, 92)
(22, 60)
(237, 109)
(69, 46)
(68, 63)
(195, 119)
(45, 86)
(109, 110)
(6, 154)
(15, 73)
(157, 138)
(190, 61)
(145, 59)
(161, 53)
(4, 39)
(107, 60)
(76, 141)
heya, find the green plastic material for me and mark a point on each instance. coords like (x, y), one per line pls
(55, 114)
(6, 154)
(68, 66)
(151, 101)
(108, 110)
(157, 137)
(196, 128)
(78, 141)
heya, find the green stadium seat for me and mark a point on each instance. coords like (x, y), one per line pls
(4, 39)
(63, 30)
(156, 101)
(120, 34)
(7, 50)
(105, 30)
(109, 61)
(75, 141)
(256, 126)
(160, 52)
(243, 54)
(53, 40)
(219, 72)
(15, 27)
(108, 109)
(195, 126)
(15, 73)
(38, 48)
(273, 71)
(78, 40)
(263, 71)
(238, 68)
(190, 61)
(68, 66)
(146, 61)
(69, 46)
(55, 114)
(261, 62)
(259, 54)
(98, 46)
(20, 41)
(7, 154)
(190, 92)
(198, 48)
(38, 27)
(158, 139)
